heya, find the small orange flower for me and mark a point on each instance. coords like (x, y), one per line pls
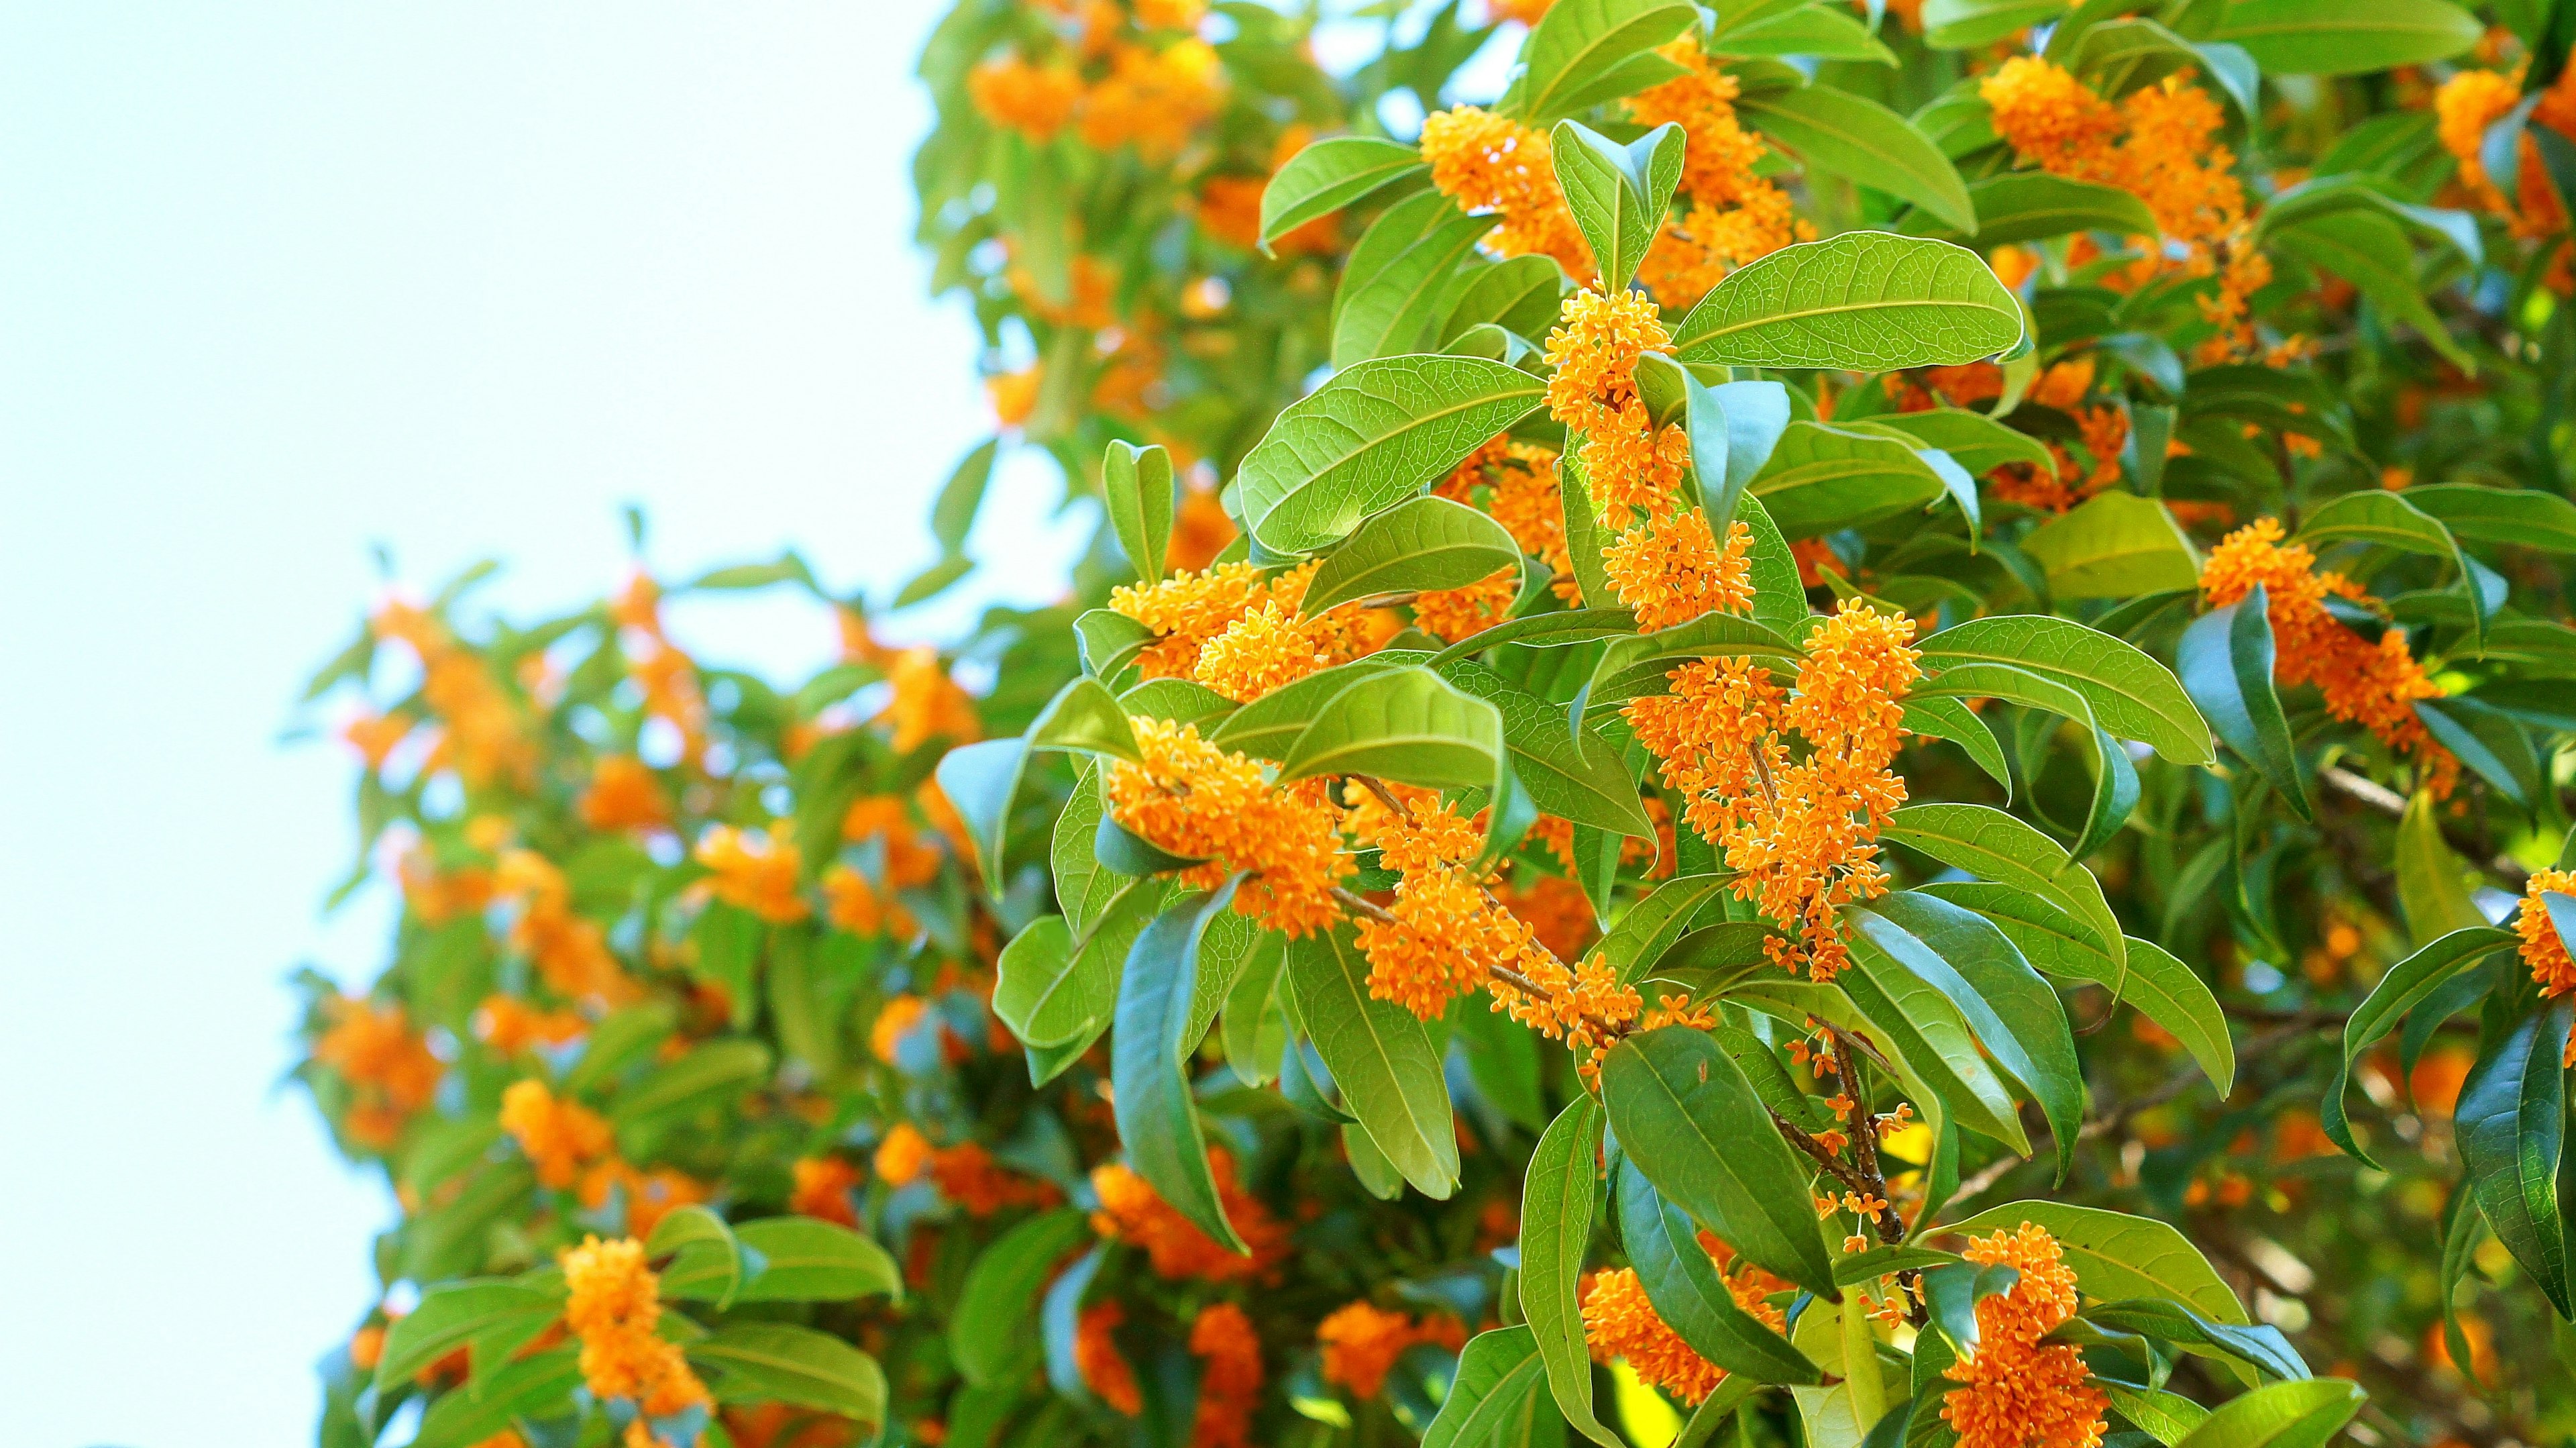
(1104, 1368)
(1230, 1382)
(755, 871)
(1132, 1212)
(1200, 801)
(1619, 1322)
(1671, 570)
(1492, 165)
(613, 1308)
(1034, 100)
(2373, 685)
(560, 1137)
(624, 795)
(968, 1176)
(1361, 1343)
(388, 1067)
(823, 1187)
(927, 704)
(903, 1156)
(2544, 950)
(2018, 1393)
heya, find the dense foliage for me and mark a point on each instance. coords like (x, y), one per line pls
(1839, 724)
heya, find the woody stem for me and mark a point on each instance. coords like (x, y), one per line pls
(1864, 1134)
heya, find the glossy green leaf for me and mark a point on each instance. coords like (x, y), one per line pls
(1266, 727)
(1687, 1116)
(1577, 43)
(2431, 892)
(1572, 776)
(539, 1387)
(1371, 436)
(1406, 724)
(805, 1259)
(1868, 301)
(1158, 1121)
(1616, 193)
(1557, 1195)
(450, 1315)
(1380, 1056)
(1937, 717)
(1822, 479)
(2021, 206)
(2511, 1125)
(2524, 516)
(1396, 286)
(781, 1363)
(2131, 694)
(1498, 1399)
(1421, 543)
(2114, 1255)
(2303, 1414)
(2226, 663)
(1330, 174)
(1851, 136)
(1996, 846)
(2115, 545)
(983, 782)
(1913, 1019)
(1689, 1295)
(1136, 484)
(712, 1072)
(2346, 37)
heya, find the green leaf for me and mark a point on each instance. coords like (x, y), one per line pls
(1558, 629)
(808, 1260)
(2511, 1126)
(1952, 1291)
(1182, 701)
(1269, 725)
(1573, 776)
(1687, 1293)
(1495, 1402)
(1978, 442)
(1520, 294)
(2016, 1016)
(1421, 543)
(2114, 1255)
(779, 1363)
(2263, 1347)
(2020, 206)
(1158, 1122)
(952, 516)
(1396, 285)
(1380, 1056)
(1965, 24)
(1649, 928)
(2226, 661)
(2430, 891)
(1936, 717)
(983, 782)
(2524, 516)
(1867, 301)
(1852, 136)
(1579, 42)
(2370, 251)
(2303, 1414)
(1371, 436)
(2116, 545)
(452, 1314)
(1329, 175)
(538, 1386)
(1584, 538)
(1687, 1116)
(1256, 1027)
(1406, 724)
(1136, 484)
(988, 1335)
(2406, 986)
(1617, 194)
(1809, 30)
(1633, 667)
(712, 1072)
(1108, 641)
(2164, 1416)
(1995, 846)
(1822, 479)
(1084, 717)
(2131, 694)
(2346, 37)
(2379, 517)
(1914, 1020)
(1557, 1194)
(711, 1263)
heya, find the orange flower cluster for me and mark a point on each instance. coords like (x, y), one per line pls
(645, 1197)
(2471, 101)
(1671, 569)
(1628, 462)
(754, 870)
(823, 1187)
(375, 736)
(927, 704)
(614, 1307)
(1361, 1343)
(2019, 1393)
(2373, 685)
(1222, 1337)
(560, 1137)
(2104, 431)
(1619, 1322)
(509, 1025)
(386, 1064)
(1034, 100)
(1493, 165)
(1132, 1212)
(1203, 802)
(485, 738)
(1519, 489)
(570, 952)
(1237, 633)
(1444, 930)
(624, 795)
(1200, 530)
(2544, 950)
(2159, 145)
(1726, 213)
(852, 901)
(1802, 834)
(1154, 100)
(667, 677)
(1103, 1367)
(968, 1175)
(904, 1155)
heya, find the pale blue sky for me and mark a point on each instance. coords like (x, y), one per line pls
(278, 281)
(282, 280)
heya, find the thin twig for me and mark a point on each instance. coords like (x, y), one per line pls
(2389, 802)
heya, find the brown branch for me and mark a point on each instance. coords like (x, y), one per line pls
(2389, 802)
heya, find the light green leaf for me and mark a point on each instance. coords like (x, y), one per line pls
(2346, 37)
(804, 1259)
(1867, 301)
(1821, 479)
(1380, 1056)
(1996, 846)
(1421, 543)
(2020, 206)
(2430, 889)
(1371, 436)
(1852, 136)
(2302, 1414)
(452, 1314)
(1397, 282)
(1978, 442)
(2406, 986)
(1557, 1194)
(712, 1072)
(1136, 484)
(2131, 694)
(1496, 1400)
(2116, 545)
(780, 1363)
(2524, 516)
(2115, 1255)
(2226, 661)
(1329, 175)
(1617, 194)
(1577, 43)
(1406, 724)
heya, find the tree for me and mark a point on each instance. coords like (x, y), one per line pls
(1844, 725)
